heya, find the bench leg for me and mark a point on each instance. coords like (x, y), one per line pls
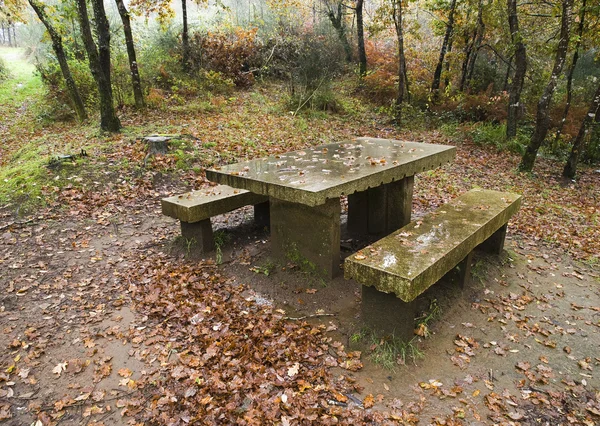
(262, 214)
(495, 243)
(464, 271)
(309, 235)
(387, 315)
(201, 232)
(381, 210)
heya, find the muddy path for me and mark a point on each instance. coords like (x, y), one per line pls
(519, 344)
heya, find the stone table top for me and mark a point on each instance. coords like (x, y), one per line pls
(313, 175)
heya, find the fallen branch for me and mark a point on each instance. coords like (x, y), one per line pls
(2, 228)
(309, 316)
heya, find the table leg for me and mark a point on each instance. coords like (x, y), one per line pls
(310, 235)
(381, 210)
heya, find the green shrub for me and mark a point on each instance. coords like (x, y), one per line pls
(591, 153)
(4, 73)
(309, 63)
(233, 54)
(215, 82)
(58, 99)
(494, 135)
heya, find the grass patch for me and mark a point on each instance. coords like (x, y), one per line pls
(21, 88)
(389, 352)
(305, 266)
(221, 238)
(433, 313)
(494, 135)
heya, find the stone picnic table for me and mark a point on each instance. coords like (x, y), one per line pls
(304, 189)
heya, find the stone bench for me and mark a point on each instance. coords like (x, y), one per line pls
(194, 210)
(398, 268)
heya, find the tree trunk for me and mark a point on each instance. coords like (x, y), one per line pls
(402, 83)
(135, 75)
(572, 70)
(437, 75)
(337, 20)
(185, 39)
(57, 46)
(447, 77)
(507, 75)
(99, 61)
(9, 36)
(542, 122)
(478, 39)
(360, 35)
(570, 169)
(516, 87)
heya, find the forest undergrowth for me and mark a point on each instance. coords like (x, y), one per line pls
(103, 322)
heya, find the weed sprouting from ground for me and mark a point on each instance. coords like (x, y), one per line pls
(221, 238)
(389, 351)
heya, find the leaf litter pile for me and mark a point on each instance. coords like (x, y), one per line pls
(102, 323)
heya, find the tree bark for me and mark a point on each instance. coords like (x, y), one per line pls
(133, 67)
(59, 51)
(337, 20)
(572, 70)
(516, 87)
(9, 36)
(402, 81)
(542, 122)
(185, 38)
(447, 74)
(478, 39)
(570, 169)
(99, 61)
(360, 35)
(437, 75)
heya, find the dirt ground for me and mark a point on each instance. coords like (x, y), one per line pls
(518, 346)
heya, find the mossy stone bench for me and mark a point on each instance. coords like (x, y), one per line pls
(194, 210)
(398, 268)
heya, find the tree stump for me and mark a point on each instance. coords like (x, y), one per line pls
(157, 144)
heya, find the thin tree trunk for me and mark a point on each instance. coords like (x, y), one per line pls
(516, 87)
(9, 36)
(133, 67)
(437, 75)
(572, 70)
(57, 46)
(447, 77)
(337, 21)
(402, 83)
(185, 39)
(99, 62)
(507, 75)
(478, 39)
(362, 54)
(542, 122)
(570, 169)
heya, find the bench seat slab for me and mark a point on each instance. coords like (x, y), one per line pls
(205, 203)
(410, 260)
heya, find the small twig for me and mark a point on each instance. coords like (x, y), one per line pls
(309, 316)
(531, 388)
(2, 228)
